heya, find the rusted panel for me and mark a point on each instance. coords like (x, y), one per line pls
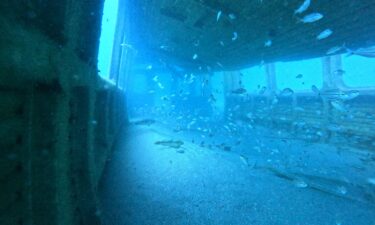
(256, 22)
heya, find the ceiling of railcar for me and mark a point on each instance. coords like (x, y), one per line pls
(174, 31)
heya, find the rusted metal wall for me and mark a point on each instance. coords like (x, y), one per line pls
(56, 129)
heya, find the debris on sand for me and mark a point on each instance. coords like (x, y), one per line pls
(147, 122)
(170, 143)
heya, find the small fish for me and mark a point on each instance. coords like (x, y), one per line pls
(365, 52)
(222, 43)
(165, 98)
(305, 5)
(149, 67)
(334, 50)
(219, 64)
(180, 151)
(332, 94)
(324, 34)
(299, 76)
(315, 89)
(268, 43)
(147, 122)
(339, 72)
(287, 92)
(160, 85)
(263, 90)
(338, 106)
(312, 17)
(239, 91)
(156, 78)
(235, 36)
(227, 148)
(349, 95)
(218, 16)
(212, 98)
(127, 46)
(170, 143)
(342, 190)
(245, 160)
(232, 16)
(300, 183)
(191, 124)
(195, 56)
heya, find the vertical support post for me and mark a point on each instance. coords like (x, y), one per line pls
(232, 80)
(327, 84)
(126, 68)
(271, 87)
(336, 71)
(332, 72)
(332, 79)
(207, 90)
(271, 78)
(29, 154)
(326, 66)
(64, 211)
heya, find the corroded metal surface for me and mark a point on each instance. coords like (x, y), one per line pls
(175, 30)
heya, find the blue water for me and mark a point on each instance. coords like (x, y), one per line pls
(109, 21)
(235, 165)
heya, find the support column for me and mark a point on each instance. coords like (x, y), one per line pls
(337, 71)
(332, 79)
(271, 79)
(332, 72)
(231, 82)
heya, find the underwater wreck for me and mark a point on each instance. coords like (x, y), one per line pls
(187, 112)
